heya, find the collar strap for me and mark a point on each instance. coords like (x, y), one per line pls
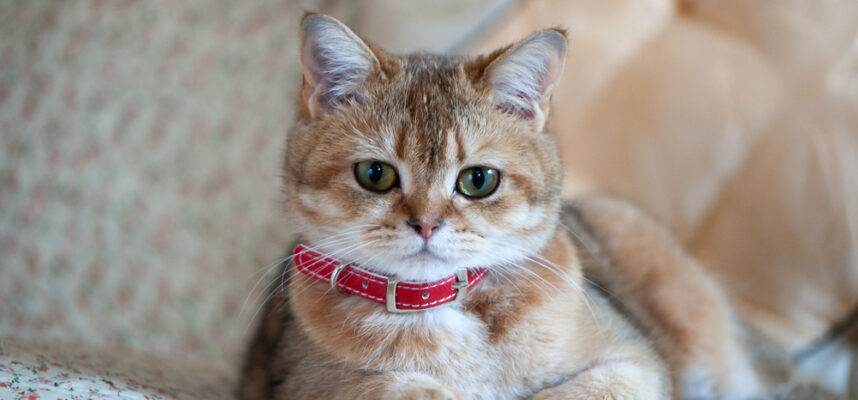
(399, 296)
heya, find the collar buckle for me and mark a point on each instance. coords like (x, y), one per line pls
(336, 275)
(461, 285)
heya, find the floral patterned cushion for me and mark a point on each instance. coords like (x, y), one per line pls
(30, 371)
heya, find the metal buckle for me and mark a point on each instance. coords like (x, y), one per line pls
(461, 286)
(336, 274)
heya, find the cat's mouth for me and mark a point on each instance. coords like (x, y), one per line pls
(424, 254)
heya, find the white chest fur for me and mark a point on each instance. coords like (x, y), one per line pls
(459, 351)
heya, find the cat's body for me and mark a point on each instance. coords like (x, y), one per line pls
(536, 337)
(415, 167)
(506, 342)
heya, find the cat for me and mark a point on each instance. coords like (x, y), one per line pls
(437, 178)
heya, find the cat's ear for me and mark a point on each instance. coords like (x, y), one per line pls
(524, 76)
(336, 63)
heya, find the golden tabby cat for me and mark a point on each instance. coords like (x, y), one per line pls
(439, 175)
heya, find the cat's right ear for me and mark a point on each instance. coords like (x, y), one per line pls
(524, 75)
(336, 63)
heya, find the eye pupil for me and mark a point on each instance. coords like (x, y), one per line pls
(375, 172)
(478, 178)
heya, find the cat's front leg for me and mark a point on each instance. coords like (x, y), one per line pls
(618, 379)
(406, 386)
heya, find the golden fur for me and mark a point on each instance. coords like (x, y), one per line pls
(533, 328)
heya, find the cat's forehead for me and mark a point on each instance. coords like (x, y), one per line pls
(420, 61)
(431, 84)
(427, 110)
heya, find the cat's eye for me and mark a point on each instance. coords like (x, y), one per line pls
(375, 175)
(476, 182)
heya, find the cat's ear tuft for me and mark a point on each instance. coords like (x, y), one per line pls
(336, 63)
(524, 76)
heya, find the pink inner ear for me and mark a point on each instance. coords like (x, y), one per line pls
(335, 62)
(522, 99)
(524, 77)
(338, 86)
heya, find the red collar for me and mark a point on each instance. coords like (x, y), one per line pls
(398, 296)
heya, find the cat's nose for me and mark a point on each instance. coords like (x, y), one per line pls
(425, 228)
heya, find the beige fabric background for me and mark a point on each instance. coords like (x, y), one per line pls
(141, 146)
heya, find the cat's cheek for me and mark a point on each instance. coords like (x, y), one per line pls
(359, 203)
(523, 216)
(316, 207)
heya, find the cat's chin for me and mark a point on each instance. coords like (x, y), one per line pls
(422, 266)
(426, 255)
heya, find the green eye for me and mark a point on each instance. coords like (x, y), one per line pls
(478, 182)
(375, 175)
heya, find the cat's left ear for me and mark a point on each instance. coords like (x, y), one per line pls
(336, 63)
(524, 76)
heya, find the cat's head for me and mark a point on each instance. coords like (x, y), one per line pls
(416, 166)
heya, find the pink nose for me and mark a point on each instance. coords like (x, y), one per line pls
(423, 227)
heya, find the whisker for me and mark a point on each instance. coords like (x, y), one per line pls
(574, 284)
(550, 266)
(355, 248)
(327, 241)
(265, 272)
(502, 272)
(335, 254)
(532, 276)
(340, 253)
